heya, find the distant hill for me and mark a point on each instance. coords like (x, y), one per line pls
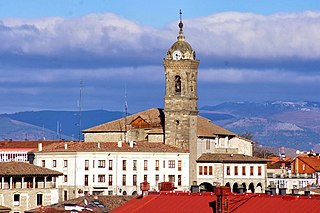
(17, 130)
(64, 122)
(290, 124)
(275, 124)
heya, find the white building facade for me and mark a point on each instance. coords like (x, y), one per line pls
(114, 168)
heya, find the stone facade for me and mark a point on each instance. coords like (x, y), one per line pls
(248, 176)
(181, 111)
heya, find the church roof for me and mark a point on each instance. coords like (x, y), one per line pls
(155, 117)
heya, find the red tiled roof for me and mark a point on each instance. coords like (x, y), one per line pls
(169, 202)
(155, 117)
(229, 158)
(284, 204)
(24, 144)
(14, 168)
(313, 162)
(238, 203)
(110, 147)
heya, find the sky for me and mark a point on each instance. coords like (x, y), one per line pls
(266, 50)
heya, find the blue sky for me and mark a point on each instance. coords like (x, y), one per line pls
(249, 51)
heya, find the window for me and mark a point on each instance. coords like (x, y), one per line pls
(172, 164)
(164, 164)
(179, 165)
(208, 144)
(157, 179)
(145, 165)
(86, 180)
(65, 195)
(43, 163)
(210, 170)
(93, 163)
(179, 180)
(134, 165)
(124, 180)
(228, 170)
(171, 178)
(102, 178)
(65, 163)
(259, 170)
(134, 180)
(101, 163)
(124, 165)
(205, 170)
(110, 180)
(177, 81)
(200, 170)
(65, 178)
(110, 164)
(39, 199)
(93, 177)
(86, 165)
(236, 170)
(251, 170)
(54, 163)
(16, 200)
(157, 165)
(243, 170)
(145, 178)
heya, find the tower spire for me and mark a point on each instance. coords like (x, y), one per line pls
(181, 36)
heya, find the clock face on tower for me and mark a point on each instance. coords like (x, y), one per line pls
(176, 55)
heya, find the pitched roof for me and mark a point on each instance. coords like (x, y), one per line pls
(110, 147)
(155, 117)
(205, 203)
(285, 204)
(229, 158)
(24, 144)
(109, 203)
(152, 116)
(169, 202)
(14, 168)
(313, 162)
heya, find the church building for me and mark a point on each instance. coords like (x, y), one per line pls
(178, 124)
(174, 144)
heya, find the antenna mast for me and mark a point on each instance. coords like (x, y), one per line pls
(80, 110)
(125, 113)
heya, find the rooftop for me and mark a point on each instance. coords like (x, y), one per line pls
(102, 204)
(14, 168)
(155, 118)
(110, 147)
(206, 202)
(229, 158)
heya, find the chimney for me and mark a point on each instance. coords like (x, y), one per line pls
(39, 147)
(98, 145)
(222, 204)
(65, 146)
(120, 143)
(131, 144)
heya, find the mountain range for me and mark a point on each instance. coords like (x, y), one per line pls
(273, 124)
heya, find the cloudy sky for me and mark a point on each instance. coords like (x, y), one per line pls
(262, 50)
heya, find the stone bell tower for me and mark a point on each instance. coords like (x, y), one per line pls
(180, 101)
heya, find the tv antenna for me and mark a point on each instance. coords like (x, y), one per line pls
(80, 110)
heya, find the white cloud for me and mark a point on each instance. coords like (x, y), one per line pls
(256, 76)
(225, 34)
(252, 35)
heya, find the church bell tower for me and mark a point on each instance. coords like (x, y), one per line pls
(180, 101)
